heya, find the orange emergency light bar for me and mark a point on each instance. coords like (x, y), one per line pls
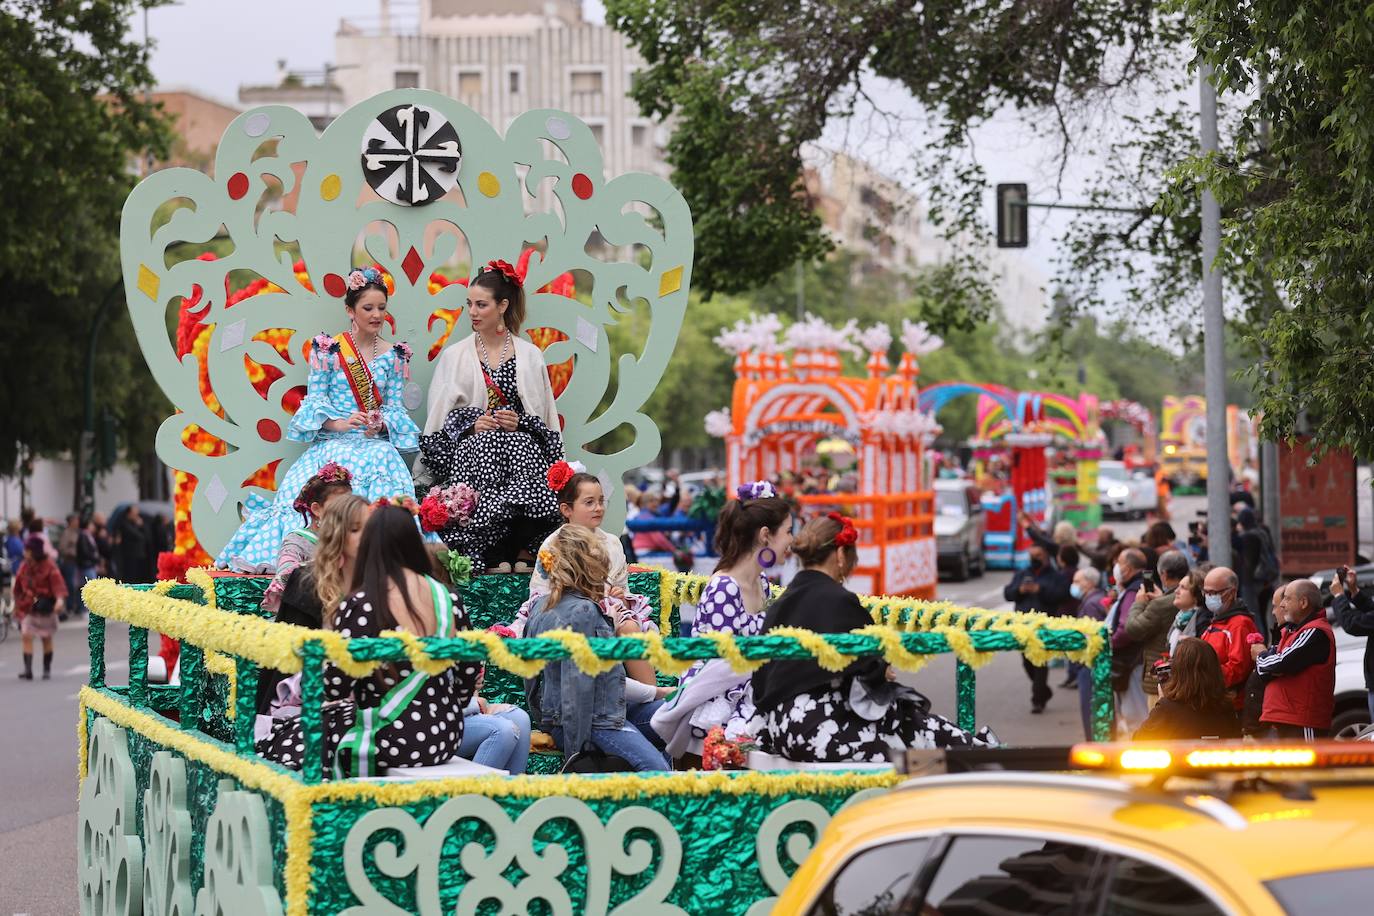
(1219, 756)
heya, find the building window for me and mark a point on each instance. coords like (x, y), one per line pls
(587, 82)
(639, 134)
(407, 79)
(513, 81)
(469, 84)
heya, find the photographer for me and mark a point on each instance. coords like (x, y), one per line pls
(1355, 611)
(1193, 700)
(1149, 624)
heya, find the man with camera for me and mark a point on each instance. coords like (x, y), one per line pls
(1300, 672)
(1149, 623)
(1355, 611)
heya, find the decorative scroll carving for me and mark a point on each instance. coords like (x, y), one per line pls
(238, 858)
(109, 851)
(167, 827)
(608, 849)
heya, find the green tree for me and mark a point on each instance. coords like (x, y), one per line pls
(70, 88)
(751, 81)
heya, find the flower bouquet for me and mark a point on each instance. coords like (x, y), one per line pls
(452, 505)
(721, 753)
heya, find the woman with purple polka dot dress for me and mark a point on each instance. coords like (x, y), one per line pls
(396, 717)
(754, 534)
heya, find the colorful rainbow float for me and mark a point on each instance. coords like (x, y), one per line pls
(790, 396)
(177, 814)
(1018, 426)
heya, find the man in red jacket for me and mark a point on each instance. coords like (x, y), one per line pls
(1228, 631)
(1301, 670)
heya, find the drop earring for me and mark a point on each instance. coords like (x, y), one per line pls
(767, 558)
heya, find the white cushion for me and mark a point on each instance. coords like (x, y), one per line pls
(458, 766)
(758, 760)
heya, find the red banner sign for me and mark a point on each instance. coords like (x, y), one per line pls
(1317, 527)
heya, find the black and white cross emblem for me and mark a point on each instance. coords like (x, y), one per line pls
(411, 155)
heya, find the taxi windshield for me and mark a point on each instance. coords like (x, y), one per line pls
(1346, 891)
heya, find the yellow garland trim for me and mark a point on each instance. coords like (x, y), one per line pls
(164, 586)
(827, 656)
(893, 650)
(250, 772)
(219, 663)
(666, 601)
(961, 643)
(586, 660)
(725, 646)
(300, 849)
(276, 645)
(201, 577)
(83, 740)
(659, 656)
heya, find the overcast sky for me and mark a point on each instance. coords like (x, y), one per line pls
(214, 46)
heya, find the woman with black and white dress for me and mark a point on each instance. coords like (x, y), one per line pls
(855, 715)
(492, 425)
(397, 716)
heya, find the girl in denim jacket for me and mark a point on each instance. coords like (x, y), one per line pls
(580, 709)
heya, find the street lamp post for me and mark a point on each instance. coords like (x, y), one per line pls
(1214, 344)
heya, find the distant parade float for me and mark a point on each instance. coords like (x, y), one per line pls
(791, 396)
(177, 812)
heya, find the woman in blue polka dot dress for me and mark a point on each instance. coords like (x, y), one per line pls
(353, 413)
(754, 534)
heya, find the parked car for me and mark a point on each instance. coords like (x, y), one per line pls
(959, 528)
(1124, 492)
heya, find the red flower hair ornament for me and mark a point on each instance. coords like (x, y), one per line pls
(849, 535)
(560, 472)
(507, 269)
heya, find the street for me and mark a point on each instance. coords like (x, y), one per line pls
(38, 761)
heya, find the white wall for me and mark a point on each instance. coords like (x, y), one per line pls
(50, 489)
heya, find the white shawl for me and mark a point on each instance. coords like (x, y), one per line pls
(458, 382)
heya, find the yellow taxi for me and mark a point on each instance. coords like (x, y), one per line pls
(1168, 829)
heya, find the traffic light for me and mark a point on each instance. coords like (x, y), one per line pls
(1013, 223)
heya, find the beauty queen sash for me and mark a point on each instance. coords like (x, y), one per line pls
(359, 374)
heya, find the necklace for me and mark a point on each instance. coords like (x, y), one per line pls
(486, 357)
(376, 341)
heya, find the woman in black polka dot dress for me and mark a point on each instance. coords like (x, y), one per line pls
(499, 433)
(396, 717)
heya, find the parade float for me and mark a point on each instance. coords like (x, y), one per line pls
(177, 814)
(790, 395)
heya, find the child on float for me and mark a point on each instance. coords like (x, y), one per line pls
(319, 583)
(582, 501)
(298, 547)
(579, 709)
(753, 534)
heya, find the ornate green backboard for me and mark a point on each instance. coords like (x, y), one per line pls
(420, 178)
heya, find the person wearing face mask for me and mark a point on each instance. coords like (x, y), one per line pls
(1087, 588)
(1127, 654)
(1227, 627)
(1037, 589)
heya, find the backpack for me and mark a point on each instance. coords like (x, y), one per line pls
(1267, 566)
(592, 759)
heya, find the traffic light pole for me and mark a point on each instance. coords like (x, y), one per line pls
(84, 497)
(1214, 345)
